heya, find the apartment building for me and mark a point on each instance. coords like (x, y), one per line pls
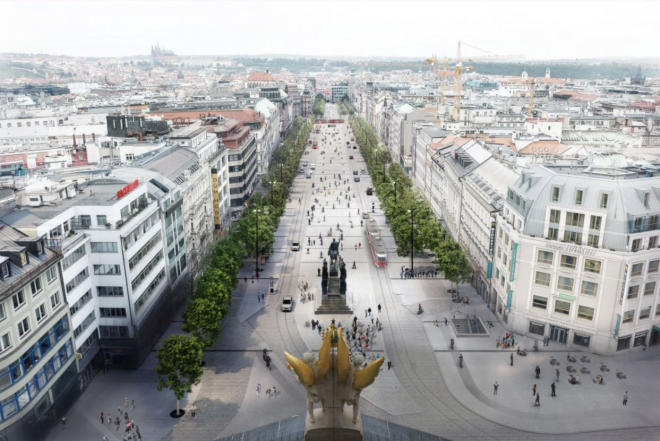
(114, 268)
(577, 258)
(37, 367)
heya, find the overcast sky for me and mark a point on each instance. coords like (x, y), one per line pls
(537, 29)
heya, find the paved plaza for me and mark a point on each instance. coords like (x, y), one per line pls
(425, 389)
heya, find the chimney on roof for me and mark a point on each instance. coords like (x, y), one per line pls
(74, 140)
(84, 141)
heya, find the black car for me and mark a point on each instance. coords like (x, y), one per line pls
(356, 179)
(355, 172)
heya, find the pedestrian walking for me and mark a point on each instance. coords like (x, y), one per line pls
(258, 298)
(379, 308)
(126, 402)
(106, 366)
(366, 313)
(369, 311)
(495, 386)
(109, 419)
(538, 400)
(132, 404)
(512, 359)
(538, 372)
(625, 399)
(102, 418)
(105, 438)
(117, 423)
(553, 387)
(263, 296)
(274, 390)
(389, 365)
(557, 371)
(193, 411)
(534, 390)
(258, 388)
(126, 416)
(268, 393)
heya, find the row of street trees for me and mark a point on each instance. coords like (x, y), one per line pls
(180, 356)
(345, 106)
(318, 109)
(412, 221)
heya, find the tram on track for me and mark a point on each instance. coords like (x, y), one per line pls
(376, 244)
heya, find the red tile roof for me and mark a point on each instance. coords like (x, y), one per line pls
(260, 76)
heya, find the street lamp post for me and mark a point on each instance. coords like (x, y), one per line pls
(412, 251)
(394, 192)
(256, 258)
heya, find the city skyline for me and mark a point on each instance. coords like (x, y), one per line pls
(417, 29)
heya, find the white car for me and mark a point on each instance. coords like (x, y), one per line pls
(312, 166)
(295, 246)
(287, 304)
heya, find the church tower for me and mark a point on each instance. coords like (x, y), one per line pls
(547, 72)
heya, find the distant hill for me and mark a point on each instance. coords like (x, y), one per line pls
(10, 69)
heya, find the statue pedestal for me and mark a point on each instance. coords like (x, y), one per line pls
(334, 423)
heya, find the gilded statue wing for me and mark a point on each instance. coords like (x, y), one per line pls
(364, 378)
(305, 372)
(343, 363)
(325, 357)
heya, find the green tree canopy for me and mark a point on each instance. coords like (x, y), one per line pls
(178, 369)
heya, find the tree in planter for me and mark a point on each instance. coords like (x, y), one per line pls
(179, 357)
(202, 319)
(453, 263)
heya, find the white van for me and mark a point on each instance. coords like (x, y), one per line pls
(312, 166)
(309, 175)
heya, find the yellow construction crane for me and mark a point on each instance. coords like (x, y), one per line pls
(459, 68)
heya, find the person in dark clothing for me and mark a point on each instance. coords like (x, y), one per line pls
(538, 372)
(512, 359)
(553, 387)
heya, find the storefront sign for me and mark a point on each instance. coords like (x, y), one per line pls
(624, 282)
(513, 261)
(491, 244)
(216, 198)
(509, 299)
(571, 248)
(129, 188)
(489, 273)
(616, 327)
(566, 296)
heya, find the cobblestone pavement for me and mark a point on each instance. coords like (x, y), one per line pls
(424, 390)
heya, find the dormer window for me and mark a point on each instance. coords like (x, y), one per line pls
(4, 270)
(578, 197)
(604, 199)
(23, 256)
(555, 194)
(646, 200)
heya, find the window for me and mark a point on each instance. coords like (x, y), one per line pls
(645, 313)
(84, 325)
(592, 240)
(107, 270)
(84, 274)
(5, 270)
(649, 288)
(553, 233)
(595, 222)
(578, 197)
(562, 307)
(545, 257)
(589, 288)
(575, 219)
(51, 274)
(85, 220)
(568, 261)
(573, 237)
(555, 216)
(40, 312)
(581, 340)
(636, 245)
(55, 300)
(3, 314)
(101, 219)
(653, 266)
(147, 269)
(81, 302)
(536, 328)
(565, 283)
(637, 269)
(23, 327)
(18, 299)
(110, 291)
(73, 257)
(653, 242)
(592, 266)
(628, 316)
(637, 225)
(542, 279)
(653, 222)
(646, 199)
(113, 312)
(153, 242)
(35, 286)
(114, 331)
(555, 194)
(540, 302)
(585, 312)
(633, 291)
(5, 342)
(623, 343)
(104, 247)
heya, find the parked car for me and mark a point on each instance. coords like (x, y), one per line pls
(313, 166)
(350, 157)
(305, 164)
(355, 172)
(295, 246)
(365, 215)
(301, 171)
(370, 191)
(356, 179)
(363, 172)
(287, 304)
(354, 147)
